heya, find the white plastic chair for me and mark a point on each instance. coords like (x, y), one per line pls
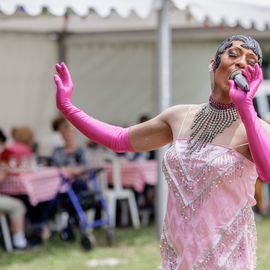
(119, 193)
(6, 233)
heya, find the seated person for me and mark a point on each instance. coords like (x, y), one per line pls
(70, 156)
(19, 155)
(20, 150)
(132, 156)
(95, 154)
(73, 159)
(13, 207)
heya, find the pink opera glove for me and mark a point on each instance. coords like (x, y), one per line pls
(259, 141)
(113, 137)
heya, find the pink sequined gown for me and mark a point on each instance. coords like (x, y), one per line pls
(209, 223)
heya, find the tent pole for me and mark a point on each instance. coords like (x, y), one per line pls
(61, 39)
(164, 86)
(61, 47)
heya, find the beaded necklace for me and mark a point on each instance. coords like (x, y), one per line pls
(211, 120)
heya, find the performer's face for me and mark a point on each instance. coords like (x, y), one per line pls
(235, 57)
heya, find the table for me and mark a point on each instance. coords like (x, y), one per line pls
(136, 174)
(39, 185)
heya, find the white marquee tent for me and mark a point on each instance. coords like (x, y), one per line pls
(46, 16)
(248, 13)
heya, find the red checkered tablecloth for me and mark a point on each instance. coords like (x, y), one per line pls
(39, 185)
(136, 174)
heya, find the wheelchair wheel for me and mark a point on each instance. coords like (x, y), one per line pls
(87, 242)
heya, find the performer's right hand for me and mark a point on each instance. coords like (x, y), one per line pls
(64, 87)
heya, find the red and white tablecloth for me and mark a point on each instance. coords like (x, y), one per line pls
(136, 174)
(39, 185)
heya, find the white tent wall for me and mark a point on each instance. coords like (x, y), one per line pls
(115, 79)
(26, 80)
(114, 75)
(190, 75)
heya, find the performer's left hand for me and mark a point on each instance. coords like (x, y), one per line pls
(241, 98)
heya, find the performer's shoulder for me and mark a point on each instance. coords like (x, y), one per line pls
(183, 108)
(178, 112)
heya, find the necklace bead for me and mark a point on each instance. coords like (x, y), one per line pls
(211, 120)
(219, 105)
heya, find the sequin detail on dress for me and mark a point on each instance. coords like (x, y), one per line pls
(168, 252)
(231, 243)
(189, 182)
(209, 219)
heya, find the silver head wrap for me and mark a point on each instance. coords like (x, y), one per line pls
(248, 43)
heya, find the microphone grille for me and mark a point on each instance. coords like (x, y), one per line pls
(235, 73)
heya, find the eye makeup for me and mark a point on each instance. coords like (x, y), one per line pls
(235, 52)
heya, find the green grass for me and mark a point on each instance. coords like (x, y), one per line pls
(263, 250)
(136, 250)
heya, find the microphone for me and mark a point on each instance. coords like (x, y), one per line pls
(240, 80)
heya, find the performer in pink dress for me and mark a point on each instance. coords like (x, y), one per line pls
(217, 150)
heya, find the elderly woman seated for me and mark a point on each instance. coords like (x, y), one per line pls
(13, 207)
(19, 155)
(73, 159)
(69, 156)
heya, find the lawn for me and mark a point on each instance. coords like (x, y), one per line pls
(263, 250)
(133, 250)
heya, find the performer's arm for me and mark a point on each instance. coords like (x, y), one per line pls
(257, 134)
(142, 137)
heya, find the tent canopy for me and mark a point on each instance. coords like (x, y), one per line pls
(247, 13)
